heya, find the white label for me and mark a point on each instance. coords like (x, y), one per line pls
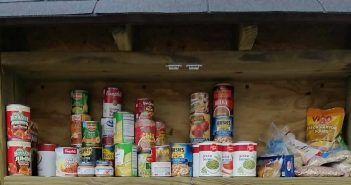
(244, 163)
(196, 164)
(46, 163)
(109, 109)
(128, 127)
(210, 163)
(134, 161)
(107, 127)
(119, 157)
(161, 169)
(105, 171)
(227, 164)
(83, 170)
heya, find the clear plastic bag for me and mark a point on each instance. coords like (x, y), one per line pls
(317, 171)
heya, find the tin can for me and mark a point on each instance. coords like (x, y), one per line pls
(108, 153)
(67, 159)
(210, 159)
(104, 169)
(79, 101)
(199, 102)
(144, 108)
(161, 153)
(222, 129)
(126, 160)
(196, 161)
(244, 158)
(145, 131)
(144, 165)
(107, 131)
(91, 134)
(86, 169)
(19, 158)
(182, 159)
(18, 122)
(160, 133)
(46, 160)
(288, 166)
(90, 154)
(124, 127)
(199, 127)
(227, 150)
(223, 100)
(112, 101)
(76, 128)
(161, 169)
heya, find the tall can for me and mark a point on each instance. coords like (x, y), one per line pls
(144, 165)
(227, 150)
(145, 131)
(112, 101)
(196, 161)
(19, 158)
(67, 159)
(244, 158)
(182, 159)
(107, 131)
(126, 160)
(210, 159)
(76, 128)
(223, 99)
(46, 160)
(199, 102)
(144, 109)
(200, 127)
(124, 127)
(91, 134)
(160, 133)
(108, 153)
(79, 101)
(18, 122)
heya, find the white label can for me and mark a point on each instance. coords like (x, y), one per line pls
(227, 150)
(196, 161)
(244, 158)
(107, 131)
(67, 161)
(161, 169)
(210, 159)
(46, 160)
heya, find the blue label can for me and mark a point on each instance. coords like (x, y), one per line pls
(182, 159)
(222, 128)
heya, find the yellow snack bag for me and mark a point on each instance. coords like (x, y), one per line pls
(324, 126)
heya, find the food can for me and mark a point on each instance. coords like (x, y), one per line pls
(67, 159)
(196, 161)
(126, 160)
(161, 169)
(90, 154)
(144, 165)
(18, 122)
(107, 131)
(124, 127)
(223, 100)
(104, 169)
(112, 101)
(86, 169)
(46, 160)
(91, 134)
(199, 102)
(108, 153)
(244, 158)
(145, 131)
(19, 158)
(210, 159)
(200, 127)
(79, 101)
(144, 108)
(222, 129)
(182, 159)
(160, 133)
(288, 166)
(161, 153)
(227, 150)
(76, 128)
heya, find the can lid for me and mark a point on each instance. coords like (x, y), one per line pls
(46, 147)
(100, 162)
(85, 163)
(224, 84)
(17, 107)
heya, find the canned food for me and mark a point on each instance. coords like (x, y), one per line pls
(79, 101)
(19, 158)
(107, 130)
(244, 158)
(222, 129)
(144, 165)
(90, 154)
(199, 102)
(210, 159)
(223, 100)
(124, 127)
(76, 128)
(126, 160)
(91, 134)
(196, 161)
(46, 160)
(108, 153)
(112, 101)
(104, 169)
(161, 169)
(160, 133)
(227, 150)
(18, 122)
(200, 127)
(182, 159)
(144, 108)
(66, 161)
(86, 169)
(161, 153)
(145, 130)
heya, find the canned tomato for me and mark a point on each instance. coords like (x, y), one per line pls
(244, 158)
(200, 127)
(112, 101)
(161, 169)
(79, 101)
(222, 129)
(90, 154)
(66, 161)
(107, 131)
(161, 153)
(91, 134)
(126, 160)
(46, 160)
(182, 159)
(199, 102)
(108, 153)
(160, 133)
(210, 159)
(227, 150)
(144, 108)
(196, 161)
(76, 128)
(223, 100)
(18, 122)
(19, 158)
(144, 165)
(124, 127)
(145, 131)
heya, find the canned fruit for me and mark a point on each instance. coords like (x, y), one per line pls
(112, 101)
(161, 153)
(107, 131)
(108, 153)
(182, 159)
(161, 169)
(18, 122)
(79, 101)
(223, 100)
(244, 158)
(144, 165)
(200, 127)
(144, 108)
(199, 102)
(145, 131)
(124, 127)
(90, 154)
(160, 133)
(126, 160)
(76, 128)
(19, 158)
(210, 159)
(91, 133)
(222, 129)
(66, 161)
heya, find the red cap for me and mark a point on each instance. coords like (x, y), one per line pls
(46, 147)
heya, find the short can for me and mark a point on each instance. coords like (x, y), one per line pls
(46, 160)
(161, 169)
(227, 150)
(210, 159)
(244, 158)
(108, 153)
(124, 127)
(112, 101)
(144, 165)
(161, 153)
(76, 128)
(86, 169)
(223, 99)
(91, 134)
(79, 101)
(19, 158)
(104, 169)
(18, 122)
(196, 161)
(144, 108)
(182, 159)
(199, 102)
(200, 127)
(160, 133)
(145, 131)
(107, 131)
(126, 160)
(90, 154)
(67, 159)
(222, 128)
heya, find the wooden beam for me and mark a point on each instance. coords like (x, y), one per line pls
(247, 36)
(123, 37)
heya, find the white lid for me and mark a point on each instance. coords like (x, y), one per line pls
(17, 107)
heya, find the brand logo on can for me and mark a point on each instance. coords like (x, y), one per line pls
(91, 127)
(70, 151)
(214, 147)
(251, 148)
(77, 95)
(18, 116)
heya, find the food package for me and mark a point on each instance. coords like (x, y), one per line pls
(343, 166)
(329, 158)
(317, 171)
(269, 166)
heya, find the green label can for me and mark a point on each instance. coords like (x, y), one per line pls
(79, 101)
(126, 160)
(124, 127)
(108, 153)
(144, 164)
(91, 134)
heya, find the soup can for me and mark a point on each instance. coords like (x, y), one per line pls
(244, 158)
(126, 160)
(79, 101)
(124, 127)
(46, 160)
(91, 134)
(223, 100)
(161, 153)
(160, 133)
(145, 131)
(67, 159)
(144, 108)
(222, 129)
(144, 165)
(227, 150)
(200, 127)
(161, 169)
(210, 159)
(19, 158)
(182, 159)
(112, 101)
(18, 122)
(76, 128)
(90, 154)
(108, 153)
(107, 131)
(199, 102)
(196, 161)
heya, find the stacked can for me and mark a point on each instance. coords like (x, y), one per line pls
(182, 159)
(161, 161)
(223, 104)
(199, 117)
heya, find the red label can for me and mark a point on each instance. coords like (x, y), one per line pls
(144, 108)
(76, 128)
(161, 153)
(145, 131)
(112, 101)
(223, 100)
(18, 122)
(19, 158)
